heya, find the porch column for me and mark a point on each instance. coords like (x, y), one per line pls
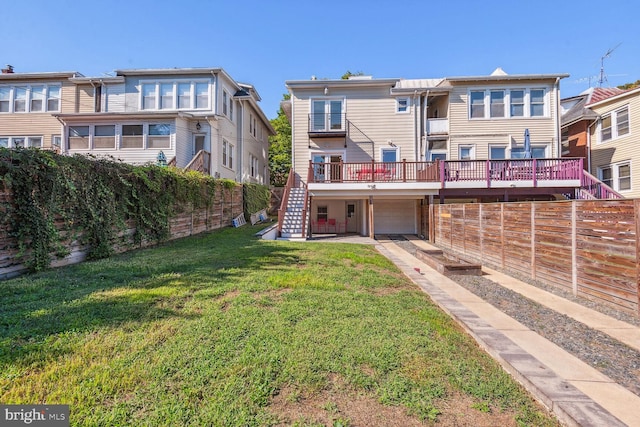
(432, 230)
(371, 230)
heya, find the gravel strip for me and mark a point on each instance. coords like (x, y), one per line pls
(616, 360)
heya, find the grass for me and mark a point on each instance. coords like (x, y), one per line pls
(206, 330)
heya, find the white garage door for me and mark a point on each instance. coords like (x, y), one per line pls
(394, 216)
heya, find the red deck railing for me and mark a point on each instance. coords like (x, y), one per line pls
(448, 171)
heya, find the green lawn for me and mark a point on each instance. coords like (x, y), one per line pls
(208, 330)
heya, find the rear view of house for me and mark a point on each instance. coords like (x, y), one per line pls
(371, 155)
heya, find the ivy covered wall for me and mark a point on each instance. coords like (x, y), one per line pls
(56, 207)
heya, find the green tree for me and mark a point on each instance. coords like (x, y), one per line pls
(280, 148)
(348, 74)
(630, 85)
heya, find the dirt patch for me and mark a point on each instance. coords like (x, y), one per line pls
(225, 300)
(339, 406)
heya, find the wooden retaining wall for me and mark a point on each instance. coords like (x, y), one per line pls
(588, 247)
(227, 205)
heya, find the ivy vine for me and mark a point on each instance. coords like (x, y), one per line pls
(54, 200)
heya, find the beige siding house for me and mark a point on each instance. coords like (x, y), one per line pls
(28, 102)
(615, 142)
(196, 118)
(370, 155)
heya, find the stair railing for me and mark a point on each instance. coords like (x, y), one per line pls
(285, 199)
(596, 188)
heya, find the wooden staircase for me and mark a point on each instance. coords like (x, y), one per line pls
(292, 215)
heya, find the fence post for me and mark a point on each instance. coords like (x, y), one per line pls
(533, 240)
(574, 246)
(502, 235)
(636, 211)
(481, 235)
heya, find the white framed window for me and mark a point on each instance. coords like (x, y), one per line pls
(389, 154)
(476, 105)
(227, 154)
(159, 136)
(5, 99)
(225, 101)
(21, 141)
(78, 138)
(616, 176)
(492, 103)
(104, 137)
(4, 142)
(20, 100)
(516, 103)
(172, 95)
(497, 152)
(466, 152)
(496, 103)
(34, 142)
(615, 124)
(37, 99)
(402, 105)
(56, 141)
(132, 136)
(327, 115)
(253, 162)
(29, 98)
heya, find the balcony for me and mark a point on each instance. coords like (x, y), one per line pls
(437, 127)
(454, 174)
(327, 125)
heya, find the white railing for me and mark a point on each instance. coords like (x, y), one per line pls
(437, 126)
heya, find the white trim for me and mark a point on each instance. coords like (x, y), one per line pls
(507, 102)
(175, 82)
(407, 107)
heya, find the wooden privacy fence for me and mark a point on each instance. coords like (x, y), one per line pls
(186, 222)
(588, 247)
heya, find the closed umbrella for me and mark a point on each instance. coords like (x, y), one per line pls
(527, 144)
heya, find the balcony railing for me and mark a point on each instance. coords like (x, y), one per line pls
(437, 126)
(489, 171)
(327, 123)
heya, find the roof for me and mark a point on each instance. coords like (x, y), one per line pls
(577, 111)
(166, 71)
(102, 79)
(506, 77)
(46, 75)
(315, 84)
(601, 93)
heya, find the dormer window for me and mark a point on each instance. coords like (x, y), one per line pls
(175, 95)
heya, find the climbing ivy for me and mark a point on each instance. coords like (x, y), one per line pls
(255, 198)
(54, 200)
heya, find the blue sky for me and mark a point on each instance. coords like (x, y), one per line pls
(266, 43)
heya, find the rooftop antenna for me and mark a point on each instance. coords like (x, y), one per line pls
(603, 76)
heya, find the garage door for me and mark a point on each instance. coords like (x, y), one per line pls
(394, 216)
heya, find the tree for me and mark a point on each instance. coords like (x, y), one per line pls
(280, 148)
(630, 85)
(348, 74)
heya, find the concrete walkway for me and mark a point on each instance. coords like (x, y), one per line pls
(576, 393)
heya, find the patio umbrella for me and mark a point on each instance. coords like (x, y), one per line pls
(527, 144)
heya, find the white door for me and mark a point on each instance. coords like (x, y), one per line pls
(394, 217)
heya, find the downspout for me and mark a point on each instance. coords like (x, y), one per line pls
(240, 145)
(416, 126)
(63, 136)
(556, 89)
(589, 145)
(426, 126)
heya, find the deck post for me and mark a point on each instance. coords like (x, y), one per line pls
(441, 173)
(534, 172)
(636, 211)
(404, 170)
(373, 168)
(371, 230)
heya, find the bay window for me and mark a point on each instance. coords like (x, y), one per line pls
(132, 136)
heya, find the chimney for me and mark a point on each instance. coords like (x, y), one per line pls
(8, 70)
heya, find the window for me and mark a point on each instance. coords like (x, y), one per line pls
(184, 95)
(20, 100)
(227, 154)
(493, 103)
(537, 102)
(614, 124)
(104, 136)
(149, 96)
(477, 105)
(497, 152)
(4, 142)
(34, 142)
(253, 165)
(438, 150)
(327, 115)
(224, 102)
(389, 155)
(56, 141)
(78, 137)
(438, 156)
(37, 98)
(132, 136)
(497, 103)
(231, 110)
(166, 96)
(202, 95)
(53, 98)
(171, 95)
(617, 176)
(5, 99)
(322, 214)
(402, 105)
(466, 152)
(537, 152)
(517, 103)
(251, 124)
(18, 142)
(159, 136)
